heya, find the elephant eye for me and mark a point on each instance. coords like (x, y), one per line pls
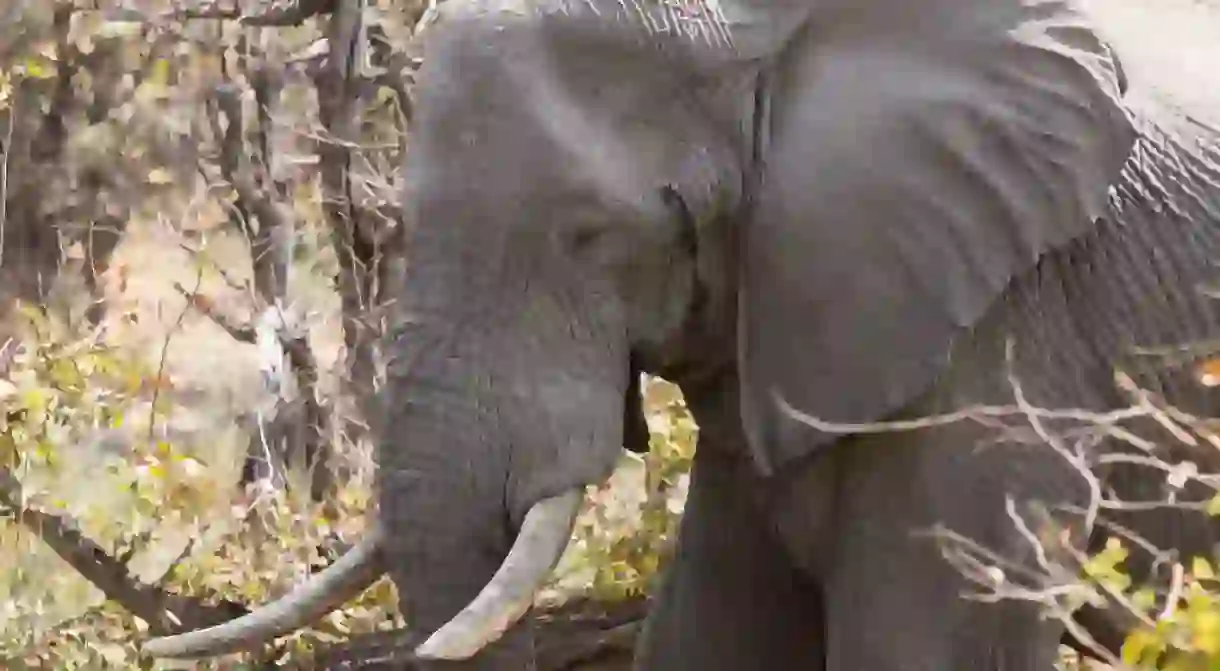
(580, 233)
(583, 243)
(580, 240)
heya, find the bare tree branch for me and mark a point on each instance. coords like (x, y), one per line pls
(243, 333)
(279, 13)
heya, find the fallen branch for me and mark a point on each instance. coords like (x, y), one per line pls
(579, 636)
(280, 13)
(163, 611)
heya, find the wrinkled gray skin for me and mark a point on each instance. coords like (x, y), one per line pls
(851, 210)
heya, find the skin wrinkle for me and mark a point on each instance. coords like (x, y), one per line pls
(1068, 206)
(1132, 288)
(1007, 143)
(1081, 357)
(960, 161)
(1181, 317)
(1192, 189)
(1180, 302)
(1157, 264)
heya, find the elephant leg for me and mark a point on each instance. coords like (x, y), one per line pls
(893, 601)
(731, 599)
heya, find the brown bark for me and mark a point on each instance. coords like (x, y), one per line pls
(584, 635)
(45, 208)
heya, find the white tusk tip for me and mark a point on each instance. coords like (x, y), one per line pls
(437, 647)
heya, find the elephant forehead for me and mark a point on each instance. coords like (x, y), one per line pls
(652, 15)
(743, 28)
(758, 28)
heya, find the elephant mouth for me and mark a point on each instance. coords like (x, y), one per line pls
(502, 603)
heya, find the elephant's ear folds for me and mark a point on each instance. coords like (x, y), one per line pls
(906, 180)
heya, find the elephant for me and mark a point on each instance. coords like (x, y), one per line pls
(821, 218)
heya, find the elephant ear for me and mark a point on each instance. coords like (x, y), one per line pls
(904, 181)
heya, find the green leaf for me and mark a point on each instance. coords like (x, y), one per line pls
(38, 67)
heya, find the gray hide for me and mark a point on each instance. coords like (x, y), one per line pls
(918, 158)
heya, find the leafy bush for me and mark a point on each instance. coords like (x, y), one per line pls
(62, 388)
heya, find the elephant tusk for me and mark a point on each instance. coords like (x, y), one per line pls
(510, 592)
(346, 578)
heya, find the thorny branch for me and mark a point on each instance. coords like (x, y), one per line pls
(243, 333)
(1051, 577)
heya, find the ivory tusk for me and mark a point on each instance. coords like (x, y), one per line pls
(510, 592)
(346, 578)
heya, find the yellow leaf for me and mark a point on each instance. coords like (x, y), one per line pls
(36, 67)
(64, 374)
(160, 72)
(10, 457)
(1201, 569)
(160, 177)
(36, 401)
(1140, 645)
(1205, 634)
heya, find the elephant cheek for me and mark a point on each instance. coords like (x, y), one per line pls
(440, 487)
(573, 438)
(444, 545)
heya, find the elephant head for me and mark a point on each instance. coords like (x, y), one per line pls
(564, 188)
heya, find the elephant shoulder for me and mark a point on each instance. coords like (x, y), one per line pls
(1169, 52)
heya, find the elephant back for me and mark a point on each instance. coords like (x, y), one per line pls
(1138, 295)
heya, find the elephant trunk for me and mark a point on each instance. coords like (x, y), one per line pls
(510, 592)
(491, 431)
